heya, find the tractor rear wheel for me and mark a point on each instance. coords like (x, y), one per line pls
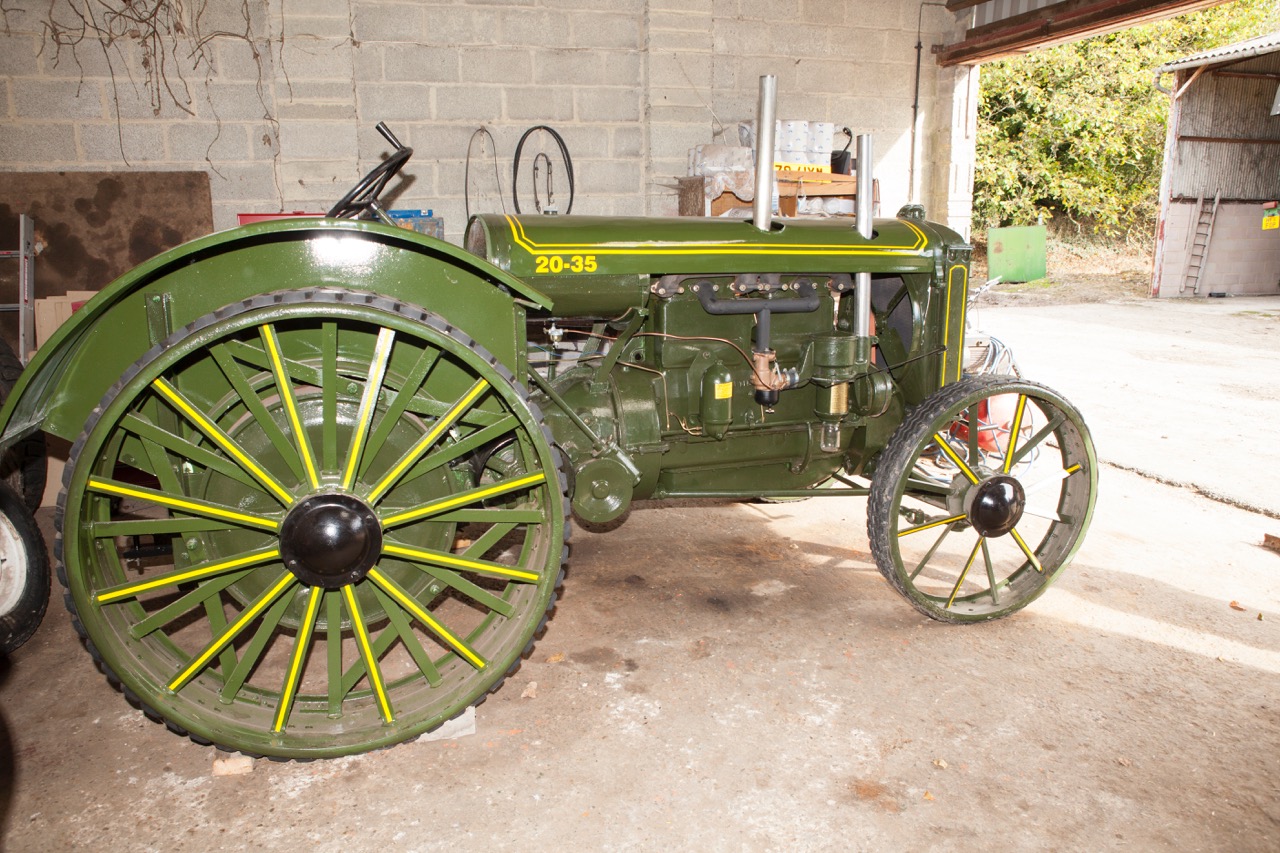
(981, 497)
(275, 539)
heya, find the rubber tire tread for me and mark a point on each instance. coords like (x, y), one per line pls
(318, 296)
(17, 626)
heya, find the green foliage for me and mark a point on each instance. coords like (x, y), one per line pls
(1078, 130)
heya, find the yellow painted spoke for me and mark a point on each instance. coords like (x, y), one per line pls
(463, 498)
(285, 386)
(233, 630)
(954, 457)
(187, 505)
(428, 439)
(1052, 479)
(952, 520)
(300, 646)
(1025, 550)
(406, 601)
(1013, 434)
(368, 402)
(973, 555)
(180, 576)
(440, 558)
(366, 652)
(220, 438)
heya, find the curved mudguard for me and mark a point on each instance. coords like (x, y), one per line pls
(76, 367)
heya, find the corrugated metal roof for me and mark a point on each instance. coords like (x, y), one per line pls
(1259, 46)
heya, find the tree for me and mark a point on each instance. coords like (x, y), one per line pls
(1078, 130)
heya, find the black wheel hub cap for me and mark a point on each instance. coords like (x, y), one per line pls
(997, 506)
(330, 540)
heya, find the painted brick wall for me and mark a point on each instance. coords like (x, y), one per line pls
(1243, 259)
(280, 100)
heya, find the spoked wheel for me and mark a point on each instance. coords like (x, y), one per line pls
(275, 537)
(981, 498)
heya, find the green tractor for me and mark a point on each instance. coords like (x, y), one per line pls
(323, 470)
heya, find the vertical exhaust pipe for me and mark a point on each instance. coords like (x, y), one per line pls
(762, 208)
(866, 228)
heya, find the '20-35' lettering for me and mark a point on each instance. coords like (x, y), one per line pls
(555, 264)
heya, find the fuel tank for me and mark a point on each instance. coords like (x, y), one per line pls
(602, 266)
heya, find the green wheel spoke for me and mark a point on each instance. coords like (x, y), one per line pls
(367, 654)
(457, 449)
(1032, 443)
(207, 591)
(191, 506)
(428, 439)
(220, 438)
(329, 395)
(157, 527)
(154, 435)
(333, 650)
(284, 386)
(251, 612)
(368, 400)
(427, 620)
(482, 543)
(411, 643)
(301, 645)
(253, 652)
(456, 581)
(396, 408)
(452, 561)
(490, 515)
(187, 575)
(991, 572)
(915, 484)
(471, 496)
(929, 554)
(231, 371)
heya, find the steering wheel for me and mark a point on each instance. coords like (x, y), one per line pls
(364, 195)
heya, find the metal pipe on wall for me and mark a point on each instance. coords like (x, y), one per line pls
(866, 228)
(762, 207)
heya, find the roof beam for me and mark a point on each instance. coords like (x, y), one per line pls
(1057, 24)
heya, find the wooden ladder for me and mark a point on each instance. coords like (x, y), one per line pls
(1198, 254)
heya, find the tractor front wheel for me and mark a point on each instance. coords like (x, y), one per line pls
(981, 497)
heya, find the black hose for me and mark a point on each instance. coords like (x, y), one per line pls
(515, 165)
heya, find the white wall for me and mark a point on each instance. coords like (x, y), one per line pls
(278, 104)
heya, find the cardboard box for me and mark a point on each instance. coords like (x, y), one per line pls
(52, 311)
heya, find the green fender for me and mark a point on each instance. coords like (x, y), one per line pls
(87, 356)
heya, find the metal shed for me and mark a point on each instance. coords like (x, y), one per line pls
(1219, 225)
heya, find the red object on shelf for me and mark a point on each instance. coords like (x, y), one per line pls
(250, 218)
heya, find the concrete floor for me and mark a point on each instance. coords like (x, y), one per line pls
(761, 687)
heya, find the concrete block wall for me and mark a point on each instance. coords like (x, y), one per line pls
(1243, 259)
(280, 101)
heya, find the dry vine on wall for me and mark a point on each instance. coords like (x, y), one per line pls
(158, 46)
